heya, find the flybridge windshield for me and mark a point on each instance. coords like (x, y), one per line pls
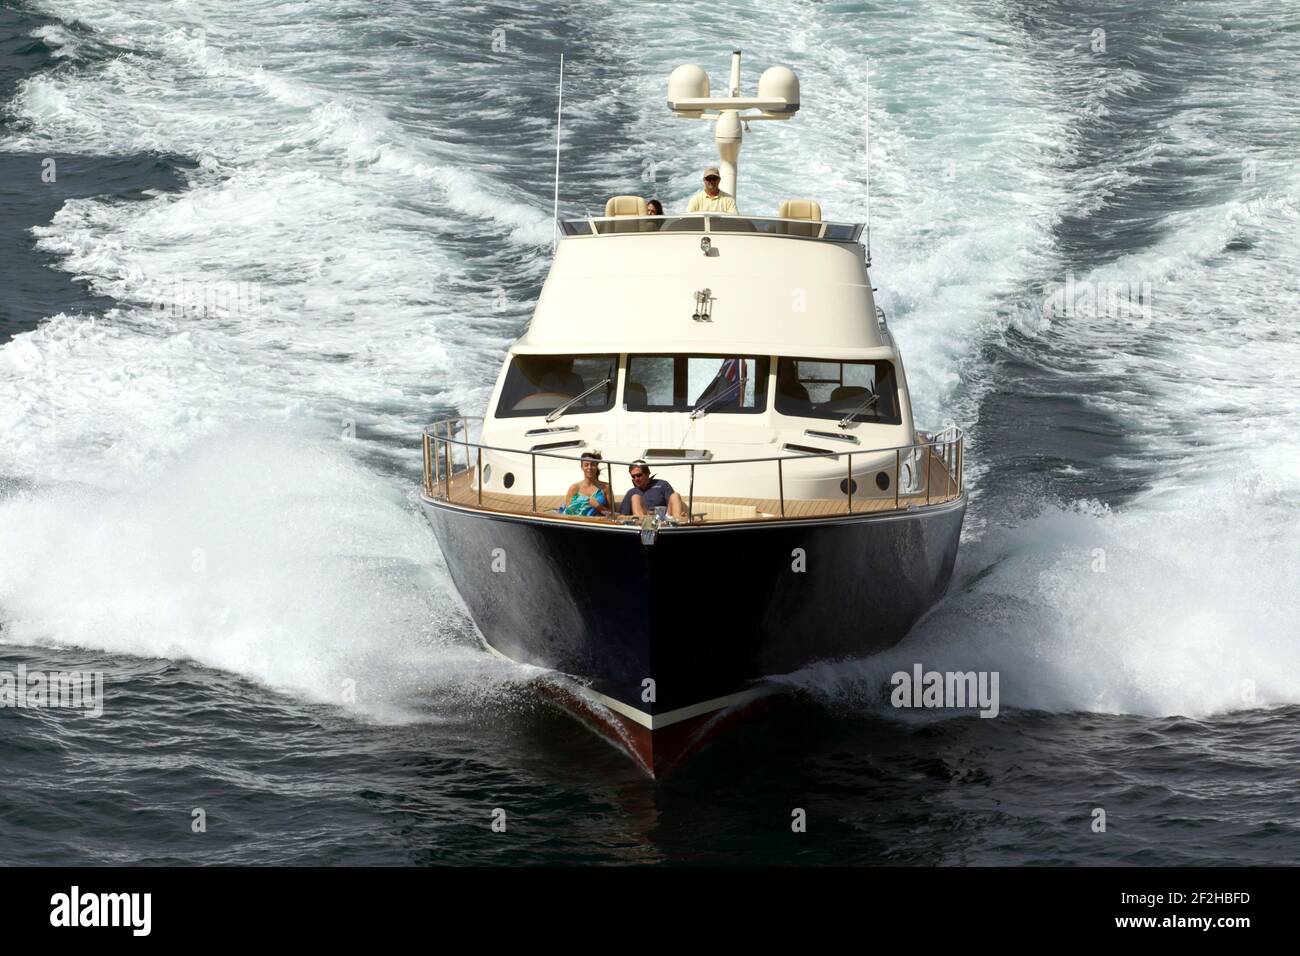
(622, 225)
(702, 384)
(817, 388)
(539, 384)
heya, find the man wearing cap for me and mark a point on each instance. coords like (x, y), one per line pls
(711, 198)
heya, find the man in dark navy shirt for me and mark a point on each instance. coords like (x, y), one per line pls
(648, 493)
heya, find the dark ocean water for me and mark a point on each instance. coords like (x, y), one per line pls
(281, 645)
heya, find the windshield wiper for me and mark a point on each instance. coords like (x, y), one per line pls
(871, 400)
(561, 409)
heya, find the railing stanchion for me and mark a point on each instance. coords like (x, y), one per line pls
(428, 481)
(446, 471)
(848, 483)
(480, 473)
(948, 470)
(780, 484)
(690, 497)
(929, 452)
(612, 509)
(898, 464)
(533, 458)
(952, 455)
(956, 480)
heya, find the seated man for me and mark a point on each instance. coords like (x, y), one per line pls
(648, 493)
(711, 198)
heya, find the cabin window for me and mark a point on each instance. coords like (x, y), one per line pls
(683, 383)
(818, 388)
(539, 384)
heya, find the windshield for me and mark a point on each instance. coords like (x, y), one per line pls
(712, 384)
(816, 388)
(539, 384)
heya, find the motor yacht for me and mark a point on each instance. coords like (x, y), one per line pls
(742, 359)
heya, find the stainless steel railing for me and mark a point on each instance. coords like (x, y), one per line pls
(945, 450)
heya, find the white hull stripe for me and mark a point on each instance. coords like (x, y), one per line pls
(657, 721)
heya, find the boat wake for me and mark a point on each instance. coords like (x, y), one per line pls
(1187, 609)
(255, 553)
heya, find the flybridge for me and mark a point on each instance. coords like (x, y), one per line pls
(690, 96)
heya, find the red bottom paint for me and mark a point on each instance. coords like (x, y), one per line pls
(657, 752)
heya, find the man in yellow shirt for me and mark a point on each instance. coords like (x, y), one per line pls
(711, 198)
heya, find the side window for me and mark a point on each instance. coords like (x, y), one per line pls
(538, 384)
(809, 388)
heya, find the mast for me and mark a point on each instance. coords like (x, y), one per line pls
(727, 132)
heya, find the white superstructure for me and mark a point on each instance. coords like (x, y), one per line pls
(705, 337)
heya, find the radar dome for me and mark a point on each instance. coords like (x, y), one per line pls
(779, 82)
(687, 82)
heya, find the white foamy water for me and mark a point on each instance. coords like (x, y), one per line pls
(257, 553)
(374, 184)
(1146, 611)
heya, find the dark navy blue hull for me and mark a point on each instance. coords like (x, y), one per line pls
(704, 611)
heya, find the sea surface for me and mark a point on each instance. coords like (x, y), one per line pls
(276, 238)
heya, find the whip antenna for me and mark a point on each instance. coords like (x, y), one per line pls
(868, 128)
(559, 116)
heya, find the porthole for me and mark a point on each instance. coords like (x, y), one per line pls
(882, 480)
(849, 486)
(487, 474)
(509, 479)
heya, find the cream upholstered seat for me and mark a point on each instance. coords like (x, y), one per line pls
(807, 209)
(625, 206)
(799, 209)
(635, 396)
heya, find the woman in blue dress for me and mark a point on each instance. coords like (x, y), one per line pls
(591, 496)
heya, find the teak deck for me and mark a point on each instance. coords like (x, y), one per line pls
(943, 488)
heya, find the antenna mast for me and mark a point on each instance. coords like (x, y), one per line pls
(559, 116)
